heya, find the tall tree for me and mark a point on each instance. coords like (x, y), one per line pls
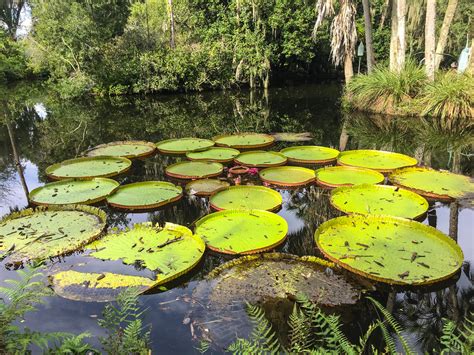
(10, 11)
(443, 33)
(397, 39)
(172, 24)
(430, 39)
(368, 35)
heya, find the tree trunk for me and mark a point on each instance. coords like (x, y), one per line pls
(443, 33)
(430, 40)
(397, 40)
(470, 67)
(348, 69)
(368, 36)
(386, 9)
(16, 158)
(172, 34)
(393, 36)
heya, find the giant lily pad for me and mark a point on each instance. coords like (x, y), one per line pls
(433, 184)
(260, 159)
(205, 187)
(246, 197)
(183, 145)
(126, 149)
(46, 232)
(292, 137)
(145, 195)
(217, 154)
(167, 252)
(71, 191)
(310, 154)
(244, 140)
(389, 249)
(378, 199)
(88, 167)
(194, 169)
(375, 159)
(242, 231)
(336, 176)
(287, 176)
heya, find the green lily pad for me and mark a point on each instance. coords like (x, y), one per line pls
(205, 187)
(88, 167)
(379, 199)
(168, 252)
(125, 149)
(310, 154)
(246, 197)
(183, 145)
(46, 232)
(375, 159)
(292, 137)
(389, 249)
(260, 159)
(244, 140)
(194, 169)
(217, 154)
(242, 231)
(145, 195)
(287, 176)
(433, 184)
(336, 176)
(71, 191)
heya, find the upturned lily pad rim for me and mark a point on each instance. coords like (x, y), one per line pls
(437, 234)
(183, 151)
(187, 177)
(178, 189)
(151, 148)
(328, 185)
(432, 196)
(189, 186)
(335, 152)
(420, 199)
(270, 140)
(92, 201)
(228, 160)
(238, 161)
(50, 169)
(412, 160)
(221, 214)
(257, 188)
(288, 184)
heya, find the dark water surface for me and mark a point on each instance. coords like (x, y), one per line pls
(47, 130)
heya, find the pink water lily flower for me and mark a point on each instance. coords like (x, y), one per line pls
(253, 171)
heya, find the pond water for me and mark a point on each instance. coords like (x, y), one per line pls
(47, 130)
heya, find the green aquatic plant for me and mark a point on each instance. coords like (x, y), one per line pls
(244, 140)
(125, 149)
(205, 187)
(260, 159)
(47, 232)
(217, 154)
(145, 195)
(336, 176)
(88, 167)
(379, 199)
(389, 249)
(287, 176)
(183, 145)
(375, 159)
(73, 191)
(194, 169)
(310, 154)
(241, 231)
(292, 137)
(246, 197)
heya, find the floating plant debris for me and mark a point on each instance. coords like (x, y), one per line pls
(217, 154)
(335, 176)
(205, 187)
(183, 145)
(244, 140)
(375, 159)
(287, 176)
(246, 197)
(145, 195)
(242, 231)
(379, 200)
(310, 154)
(292, 137)
(194, 169)
(88, 167)
(46, 232)
(72, 191)
(433, 184)
(260, 159)
(125, 149)
(168, 252)
(389, 249)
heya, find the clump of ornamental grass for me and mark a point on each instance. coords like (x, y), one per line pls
(384, 91)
